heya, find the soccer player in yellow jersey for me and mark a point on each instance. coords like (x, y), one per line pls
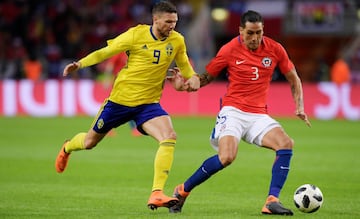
(136, 92)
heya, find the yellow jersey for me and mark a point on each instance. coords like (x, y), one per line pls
(142, 79)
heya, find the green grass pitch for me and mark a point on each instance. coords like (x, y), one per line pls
(114, 179)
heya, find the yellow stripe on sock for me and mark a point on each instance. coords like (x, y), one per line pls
(168, 142)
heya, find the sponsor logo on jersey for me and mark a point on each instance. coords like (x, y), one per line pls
(238, 62)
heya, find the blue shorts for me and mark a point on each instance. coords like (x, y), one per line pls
(112, 115)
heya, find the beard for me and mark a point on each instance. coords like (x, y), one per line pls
(164, 33)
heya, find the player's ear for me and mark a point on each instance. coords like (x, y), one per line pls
(155, 17)
(240, 29)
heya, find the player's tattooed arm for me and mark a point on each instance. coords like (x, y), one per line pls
(205, 78)
(297, 93)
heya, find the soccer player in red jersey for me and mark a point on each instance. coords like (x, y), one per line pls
(250, 60)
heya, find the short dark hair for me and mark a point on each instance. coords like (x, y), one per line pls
(251, 16)
(164, 6)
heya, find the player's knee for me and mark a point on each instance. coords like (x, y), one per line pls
(288, 143)
(172, 135)
(167, 136)
(227, 159)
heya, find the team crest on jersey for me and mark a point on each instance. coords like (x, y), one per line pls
(169, 49)
(100, 123)
(266, 62)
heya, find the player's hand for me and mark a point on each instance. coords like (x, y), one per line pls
(193, 83)
(72, 67)
(302, 115)
(173, 73)
(177, 80)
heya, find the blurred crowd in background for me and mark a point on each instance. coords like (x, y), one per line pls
(39, 37)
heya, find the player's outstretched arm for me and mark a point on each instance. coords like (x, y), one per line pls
(297, 93)
(72, 67)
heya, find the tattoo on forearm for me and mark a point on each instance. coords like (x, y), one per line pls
(293, 90)
(205, 79)
(301, 103)
(297, 97)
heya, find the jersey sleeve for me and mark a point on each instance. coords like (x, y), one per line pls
(182, 60)
(114, 46)
(218, 63)
(285, 64)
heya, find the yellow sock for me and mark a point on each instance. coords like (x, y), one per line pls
(163, 162)
(76, 143)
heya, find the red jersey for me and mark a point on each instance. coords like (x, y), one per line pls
(249, 72)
